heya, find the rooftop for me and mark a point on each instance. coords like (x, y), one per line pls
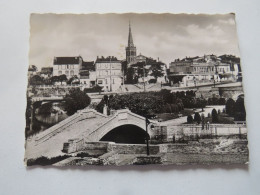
(67, 60)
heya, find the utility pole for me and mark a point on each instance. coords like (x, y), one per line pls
(110, 74)
(147, 122)
(144, 73)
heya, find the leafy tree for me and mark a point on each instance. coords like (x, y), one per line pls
(73, 80)
(189, 119)
(214, 115)
(45, 109)
(76, 100)
(54, 79)
(197, 117)
(230, 107)
(240, 112)
(240, 105)
(62, 78)
(130, 76)
(156, 71)
(36, 80)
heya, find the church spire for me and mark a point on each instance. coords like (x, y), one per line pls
(130, 49)
(130, 38)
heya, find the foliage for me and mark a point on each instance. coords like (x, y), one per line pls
(44, 161)
(75, 100)
(95, 89)
(73, 80)
(36, 80)
(156, 71)
(216, 101)
(197, 117)
(45, 109)
(152, 81)
(214, 115)
(230, 107)
(189, 119)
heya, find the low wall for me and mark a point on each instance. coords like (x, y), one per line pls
(133, 148)
(179, 133)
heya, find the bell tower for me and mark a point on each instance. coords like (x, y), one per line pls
(130, 49)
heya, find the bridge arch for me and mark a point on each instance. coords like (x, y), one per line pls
(121, 118)
(127, 133)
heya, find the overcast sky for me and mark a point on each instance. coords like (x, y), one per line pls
(166, 36)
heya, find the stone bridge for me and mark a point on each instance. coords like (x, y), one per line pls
(88, 125)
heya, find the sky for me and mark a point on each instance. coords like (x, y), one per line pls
(163, 36)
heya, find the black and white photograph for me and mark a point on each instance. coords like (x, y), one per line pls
(135, 89)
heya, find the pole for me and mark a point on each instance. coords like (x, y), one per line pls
(110, 75)
(147, 138)
(144, 75)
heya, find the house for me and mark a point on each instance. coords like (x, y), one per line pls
(87, 74)
(109, 73)
(68, 66)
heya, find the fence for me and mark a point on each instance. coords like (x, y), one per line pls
(179, 133)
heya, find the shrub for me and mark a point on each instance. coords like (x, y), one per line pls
(214, 116)
(189, 119)
(197, 118)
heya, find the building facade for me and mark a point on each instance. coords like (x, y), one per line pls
(109, 73)
(69, 66)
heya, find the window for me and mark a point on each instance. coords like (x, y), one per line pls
(71, 72)
(100, 82)
(60, 73)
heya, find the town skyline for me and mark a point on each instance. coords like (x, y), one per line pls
(75, 41)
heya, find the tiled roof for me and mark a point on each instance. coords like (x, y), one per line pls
(67, 60)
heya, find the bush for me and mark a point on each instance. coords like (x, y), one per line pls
(214, 116)
(189, 119)
(197, 118)
(152, 81)
(44, 161)
(95, 89)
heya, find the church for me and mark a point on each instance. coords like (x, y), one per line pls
(150, 64)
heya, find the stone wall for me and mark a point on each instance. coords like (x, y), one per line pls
(134, 148)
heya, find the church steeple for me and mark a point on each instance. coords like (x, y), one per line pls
(130, 38)
(130, 49)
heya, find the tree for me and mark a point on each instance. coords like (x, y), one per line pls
(62, 78)
(197, 117)
(230, 107)
(189, 119)
(75, 100)
(73, 80)
(214, 115)
(54, 79)
(36, 80)
(156, 71)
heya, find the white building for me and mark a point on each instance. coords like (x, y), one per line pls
(68, 66)
(109, 73)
